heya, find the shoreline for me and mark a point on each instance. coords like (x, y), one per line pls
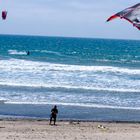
(68, 113)
(65, 120)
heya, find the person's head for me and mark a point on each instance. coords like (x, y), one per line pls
(55, 106)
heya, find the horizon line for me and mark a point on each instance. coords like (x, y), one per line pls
(76, 37)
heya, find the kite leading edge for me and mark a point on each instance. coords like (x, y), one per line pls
(131, 14)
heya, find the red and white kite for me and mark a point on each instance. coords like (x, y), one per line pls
(131, 14)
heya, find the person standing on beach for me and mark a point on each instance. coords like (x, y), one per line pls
(53, 115)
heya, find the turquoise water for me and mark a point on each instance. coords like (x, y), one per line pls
(92, 73)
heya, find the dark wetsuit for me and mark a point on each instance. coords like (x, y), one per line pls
(28, 53)
(53, 116)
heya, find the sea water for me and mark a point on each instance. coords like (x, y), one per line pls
(74, 73)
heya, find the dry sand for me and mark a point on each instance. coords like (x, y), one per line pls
(65, 130)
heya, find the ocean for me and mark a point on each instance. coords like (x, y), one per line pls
(88, 79)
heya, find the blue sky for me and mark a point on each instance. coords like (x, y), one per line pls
(70, 18)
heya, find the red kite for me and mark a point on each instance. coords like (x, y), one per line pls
(4, 15)
(131, 14)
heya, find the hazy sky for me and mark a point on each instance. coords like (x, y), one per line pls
(71, 18)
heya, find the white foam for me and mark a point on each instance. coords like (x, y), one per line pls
(17, 52)
(51, 52)
(15, 64)
(54, 86)
(16, 72)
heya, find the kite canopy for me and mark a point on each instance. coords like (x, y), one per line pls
(131, 14)
(4, 15)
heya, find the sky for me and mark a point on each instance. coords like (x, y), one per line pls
(67, 18)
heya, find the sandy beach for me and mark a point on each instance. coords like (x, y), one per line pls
(67, 130)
